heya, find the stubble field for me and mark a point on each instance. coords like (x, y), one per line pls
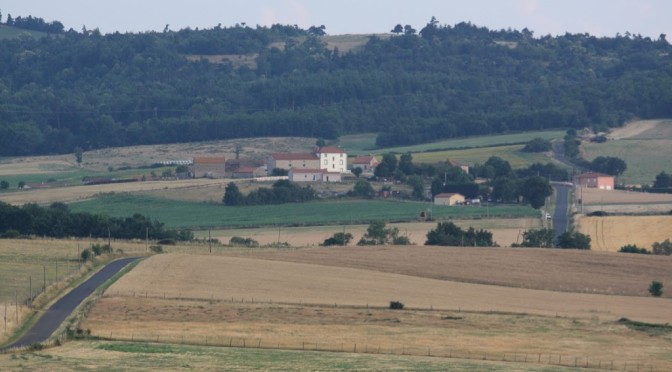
(274, 304)
(610, 233)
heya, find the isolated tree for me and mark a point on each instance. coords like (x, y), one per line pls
(320, 142)
(357, 171)
(237, 150)
(317, 30)
(4, 185)
(377, 234)
(232, 195)
(537, 145)
(406, 164)
(449, 234)
(397, 29)
(86, 255)
(663, 181)
(656, 288)
(21, 184)
(535, 190)
(409, 30)
(78, 155)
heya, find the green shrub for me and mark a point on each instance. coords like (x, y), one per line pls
(632, 248)
(86, 255)
(11, 234)
(656, 289)
(396, 305)
(156, 248)
(243, 242)
(99, 249)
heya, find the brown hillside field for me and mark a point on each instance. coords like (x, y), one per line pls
(643, 129)
(546, 269)
(610, 233)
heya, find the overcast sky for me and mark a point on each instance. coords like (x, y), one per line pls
(597, 17)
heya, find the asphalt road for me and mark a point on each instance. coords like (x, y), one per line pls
(560, 218)
(57, 313)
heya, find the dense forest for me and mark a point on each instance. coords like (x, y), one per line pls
(84, 89)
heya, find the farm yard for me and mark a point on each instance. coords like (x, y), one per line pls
(279, 304)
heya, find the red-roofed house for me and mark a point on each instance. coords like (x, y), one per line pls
(313, 175)
(448, 199)
(209, 167)
(248, 172)
(595, 180)
(367, 163)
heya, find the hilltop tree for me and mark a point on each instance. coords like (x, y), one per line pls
(398, 29)
(573, 240)
(449, 234)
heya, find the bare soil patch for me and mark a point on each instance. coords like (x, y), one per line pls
(642, 128)
(612, 232)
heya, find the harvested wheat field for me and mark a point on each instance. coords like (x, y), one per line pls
(546, 269)
(505, 231)
(207, 277)
(234, 301)
(610, 233)
(592, 196)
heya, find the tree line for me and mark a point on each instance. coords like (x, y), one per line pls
(57, 221)
(282, 191)
(89, 90)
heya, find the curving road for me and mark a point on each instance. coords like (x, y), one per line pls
(57, 313)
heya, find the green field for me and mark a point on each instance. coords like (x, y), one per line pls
(645, 157)
(365, 143)
(180, 214)
(510, 153)
(7, 32)
(107, 355)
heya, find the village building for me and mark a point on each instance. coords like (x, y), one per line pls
(331, 159)
(462, 166)
(595, 180)
(289, 161)
(208, 167)
(448, 199)
(313, 175)
(249, 172)
(366, 163)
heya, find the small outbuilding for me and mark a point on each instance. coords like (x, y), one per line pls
(313, 175)
(208, 167)
(448, 199)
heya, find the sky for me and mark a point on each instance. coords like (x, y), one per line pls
(555, 17)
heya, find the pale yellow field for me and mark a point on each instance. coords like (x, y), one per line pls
(612, 232)
(505, 231)
(642, 128)
(592, 196)
(217, 300)
(211, 277)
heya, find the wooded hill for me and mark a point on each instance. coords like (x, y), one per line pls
(85, 89)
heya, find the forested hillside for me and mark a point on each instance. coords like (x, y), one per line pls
(84, 89)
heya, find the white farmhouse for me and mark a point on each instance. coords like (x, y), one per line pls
(333, 159)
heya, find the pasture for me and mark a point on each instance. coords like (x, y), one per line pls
(278, 304)
(510, 153)
(365, 143)
(610, 233)
(111, 355)
(645, 146)
(181, 214)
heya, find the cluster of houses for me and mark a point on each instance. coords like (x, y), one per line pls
(323, 164)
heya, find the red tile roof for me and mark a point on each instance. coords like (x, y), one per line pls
(592, 175)
(364, 159)
(210, 160)
(294, 156)
(446, 195)
(331, 150)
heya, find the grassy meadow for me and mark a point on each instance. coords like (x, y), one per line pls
(182, 214)
(366, 143)
(510, 153)
(112, 355)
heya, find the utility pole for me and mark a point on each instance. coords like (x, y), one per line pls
(147, 239)
(209, 240)
(30, 290)
(44, 278)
